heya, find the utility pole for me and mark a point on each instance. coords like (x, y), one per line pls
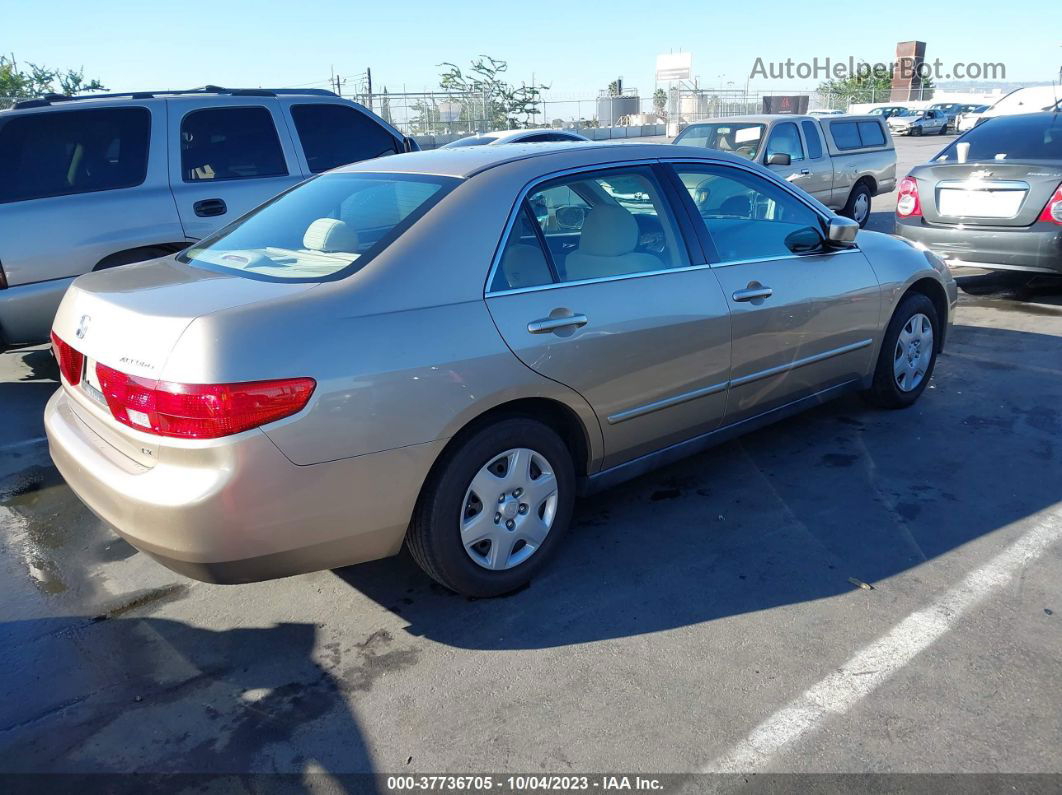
(368, 81)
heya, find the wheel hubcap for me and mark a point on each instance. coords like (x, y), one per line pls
(862, 207)
(509, 509)
(914, 352)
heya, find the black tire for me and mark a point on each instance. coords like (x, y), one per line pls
(916, 131)
(434, 538)
(849, 208)
(884, 391)
(943, 130)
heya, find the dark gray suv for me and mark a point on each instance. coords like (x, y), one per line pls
(993, 198)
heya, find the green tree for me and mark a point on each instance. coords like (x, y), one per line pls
(660, 103)
(871, 86)
(485, 94)
(36, 81)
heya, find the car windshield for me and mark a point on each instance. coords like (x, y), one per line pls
(740, 138)
(1036, 137)
(910, 112)
(323, 229)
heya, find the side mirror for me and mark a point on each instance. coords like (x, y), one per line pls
(805, 240)
(842, 232)
(779, 159)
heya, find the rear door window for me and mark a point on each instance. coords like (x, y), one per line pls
(77, 151)
(607, 223)
(334, 135)
(811, 135)
(220, 144)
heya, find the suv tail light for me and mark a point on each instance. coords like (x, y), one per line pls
(200, 411)
(907, 203)
(1053, 209)
(71, 362)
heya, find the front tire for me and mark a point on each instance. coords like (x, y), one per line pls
(494, 509)
(908, 354)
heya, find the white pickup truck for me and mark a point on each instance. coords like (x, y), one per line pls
(843, 161)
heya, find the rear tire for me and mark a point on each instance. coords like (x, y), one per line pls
(511, 485)
(858, 205)
(908, 354)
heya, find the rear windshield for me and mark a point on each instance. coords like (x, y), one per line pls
(739, 138)
(321, 230)
(1036, 137)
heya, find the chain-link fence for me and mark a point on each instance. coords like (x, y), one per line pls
(442, 115)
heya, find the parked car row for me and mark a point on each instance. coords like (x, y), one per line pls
(843, 161)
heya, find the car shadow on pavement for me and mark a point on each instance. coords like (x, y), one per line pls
(160, 697)
(789, 514)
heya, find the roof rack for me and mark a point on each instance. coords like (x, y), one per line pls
(52, 99)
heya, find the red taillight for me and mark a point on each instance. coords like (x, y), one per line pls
(907, 203)
(71, 362)
(200, 411)
(1053, 209)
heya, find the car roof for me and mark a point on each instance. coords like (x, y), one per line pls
(467, 161)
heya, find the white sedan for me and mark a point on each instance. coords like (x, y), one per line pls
(532, 136)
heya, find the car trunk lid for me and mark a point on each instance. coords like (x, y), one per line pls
(130, 318)
(987, 193)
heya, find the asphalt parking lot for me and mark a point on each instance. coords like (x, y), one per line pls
(850, 590)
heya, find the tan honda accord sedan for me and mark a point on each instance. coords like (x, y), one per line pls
(444, 349)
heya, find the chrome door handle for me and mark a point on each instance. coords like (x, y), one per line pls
(548, 324)
(753, 293)
(805, 171)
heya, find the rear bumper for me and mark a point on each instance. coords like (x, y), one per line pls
(237, 510)
(27, 310)
(1036, 248)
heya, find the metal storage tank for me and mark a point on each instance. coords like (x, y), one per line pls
(612, 109)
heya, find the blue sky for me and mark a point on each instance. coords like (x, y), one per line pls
(575, 47)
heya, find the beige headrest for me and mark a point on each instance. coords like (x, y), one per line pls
(329, 234)
(608, 231)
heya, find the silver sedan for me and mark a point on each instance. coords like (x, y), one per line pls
(443, 349)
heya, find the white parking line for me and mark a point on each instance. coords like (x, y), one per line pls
(874, 664)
